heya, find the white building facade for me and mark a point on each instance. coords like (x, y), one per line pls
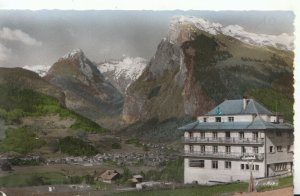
(236, 137)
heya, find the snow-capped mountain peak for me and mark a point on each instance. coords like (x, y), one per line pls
(73, 53)
(121, 73)
(39, 69)
(282, 41)
(85, 64)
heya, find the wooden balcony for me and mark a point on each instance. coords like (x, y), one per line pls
(225, 155)
(222, 140)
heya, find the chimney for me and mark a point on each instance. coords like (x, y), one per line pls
(245, 102)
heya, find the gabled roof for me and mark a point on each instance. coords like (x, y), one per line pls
(109, 174)
(235, 107)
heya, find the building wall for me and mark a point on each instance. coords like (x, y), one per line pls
(207, 174)
(272, 171)
(272, 139)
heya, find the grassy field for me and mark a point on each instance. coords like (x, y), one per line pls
(33, 179)
(191, 191)
(171, 171)
(283, 182)
(44, 178)
(15, 138)
(208, 190)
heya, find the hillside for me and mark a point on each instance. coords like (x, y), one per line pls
(21, 78)
(31, 115)
(197, 66)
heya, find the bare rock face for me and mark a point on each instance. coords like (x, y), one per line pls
(166, 88)
(87, 91)
(157, 93)
(197, 66)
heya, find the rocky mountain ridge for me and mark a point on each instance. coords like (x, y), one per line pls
(282, 41)
(87, 91)
(197, 65)
(121, 73)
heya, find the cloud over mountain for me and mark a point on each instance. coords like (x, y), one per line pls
(18, 35)
(4, 52)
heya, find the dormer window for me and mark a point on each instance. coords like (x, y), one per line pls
(218, 119)
(230, 118)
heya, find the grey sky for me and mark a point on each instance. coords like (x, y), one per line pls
(41, 37)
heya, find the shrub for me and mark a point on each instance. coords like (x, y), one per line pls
(134, 141)
(54, 145)
(116, 146)
(36, 180)
(76, 147)
(126, 175)
(75, 179)
(6, 166)
(21, 162)
(89, 179)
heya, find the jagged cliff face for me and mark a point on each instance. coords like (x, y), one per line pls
(158, 87)
(87, 92)
(166, 88)
(197, 66)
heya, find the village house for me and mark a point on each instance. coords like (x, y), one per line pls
(236, 137)
(137, 178)
(108, 176)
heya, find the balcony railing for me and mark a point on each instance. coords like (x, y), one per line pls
(225, 155)
(231, 140)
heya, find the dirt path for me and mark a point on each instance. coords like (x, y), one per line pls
(279, 192)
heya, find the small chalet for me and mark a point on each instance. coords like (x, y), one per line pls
(108, 176)
(137, 178)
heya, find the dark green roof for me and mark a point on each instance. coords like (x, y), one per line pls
(235, 107)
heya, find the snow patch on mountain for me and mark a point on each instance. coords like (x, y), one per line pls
(123, 72)
(39, 69)
(282, 41)
(72, 54)
(84, 63)
(128, 67)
